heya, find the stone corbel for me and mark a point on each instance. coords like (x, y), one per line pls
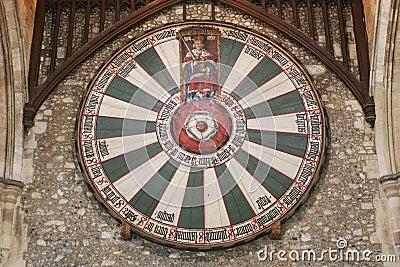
(391, 186)
(12, 237)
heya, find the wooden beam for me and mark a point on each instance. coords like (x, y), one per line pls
(54, 38)
(102, 15)
(71, 29)
(343, 38)
(310, 17)
(36, 46)
(279, 8)
(134, 4)
(184, 11)
(212, 10)
(363, 59)
(360, 34)
(126, 231)
(276, 231)
(328, 38)
(117, 10)
(295, 16)
(87, 21)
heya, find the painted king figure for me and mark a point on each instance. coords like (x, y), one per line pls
(200, 71)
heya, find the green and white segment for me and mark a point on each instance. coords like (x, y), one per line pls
(184, 205)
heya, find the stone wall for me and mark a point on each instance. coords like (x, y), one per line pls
(68, 227)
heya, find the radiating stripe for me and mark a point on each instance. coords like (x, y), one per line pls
(141, 79)
(252, 189)
(287, 103)
(294, 144)
(114, 127)
(133, 181)
(275, 87)
(124, 90)
(280, 123)
(120, 145)
(114, 107)
(243, 66)
(148, 197)
(280, 161)
(214, 208)
(172, 199)
(192, 212)
(169, 55)
(229, 54)
(259, 75)
(121, 165)
(236, 204)
(154, 66)
(276, 183)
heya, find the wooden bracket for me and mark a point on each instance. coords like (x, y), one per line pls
(276, 231)
(126, 231)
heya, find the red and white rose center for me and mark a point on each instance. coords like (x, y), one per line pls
(201, 133)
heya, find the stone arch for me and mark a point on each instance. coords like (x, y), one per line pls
(395, 94)
(14, 90)
(12, 98)
(385, 87)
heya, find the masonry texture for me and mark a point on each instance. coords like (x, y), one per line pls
(68, 227)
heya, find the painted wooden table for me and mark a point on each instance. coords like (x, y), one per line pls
(201, 136)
